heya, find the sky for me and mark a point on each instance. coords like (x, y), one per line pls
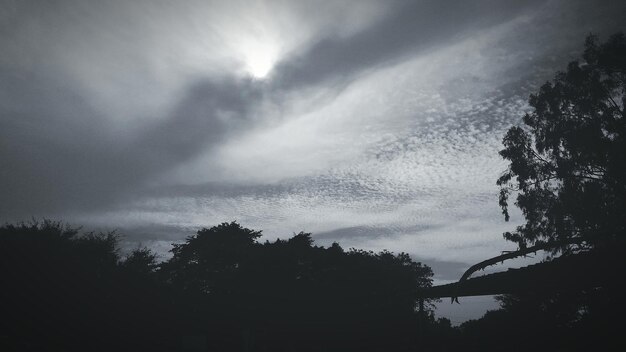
(375, 124)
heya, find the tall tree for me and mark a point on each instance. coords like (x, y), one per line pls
(568, 162)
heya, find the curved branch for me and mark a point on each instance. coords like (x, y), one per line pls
(519, 253)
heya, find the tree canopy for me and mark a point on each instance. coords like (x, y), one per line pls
(220, 290)
(567, 162)
(294, 289)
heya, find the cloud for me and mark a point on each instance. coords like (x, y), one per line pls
(98, 99)
(411, 28)
(426, 96)
(133, 59)
(403, 156)
(377, 125)
(59, 154)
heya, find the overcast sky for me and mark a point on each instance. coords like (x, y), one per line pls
(376, 124)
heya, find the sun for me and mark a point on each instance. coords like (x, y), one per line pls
(259, 65)
(259, 58)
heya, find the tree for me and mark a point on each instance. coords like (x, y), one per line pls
(67, 290)
(209, 259)
(281, 293)
(140, 261)
(568, 163)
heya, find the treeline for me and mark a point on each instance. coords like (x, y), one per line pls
(221, 290)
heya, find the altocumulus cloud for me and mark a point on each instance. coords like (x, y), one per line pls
(373, 123)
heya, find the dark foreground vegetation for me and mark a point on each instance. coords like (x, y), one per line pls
(222, 290)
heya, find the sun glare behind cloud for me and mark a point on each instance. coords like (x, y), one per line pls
(259, 59)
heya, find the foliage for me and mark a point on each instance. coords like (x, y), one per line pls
(141, 260)
(210, 256)
(63, 290)
(568, 167)
(220, 290)
(348, 299)
(567, 163)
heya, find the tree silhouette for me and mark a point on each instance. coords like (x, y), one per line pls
(221, 290)
(63, 290)
(204, 262)
(140, 261)
(276, 295)
(567, 162)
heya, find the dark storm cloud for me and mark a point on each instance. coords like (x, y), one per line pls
(413, 26)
